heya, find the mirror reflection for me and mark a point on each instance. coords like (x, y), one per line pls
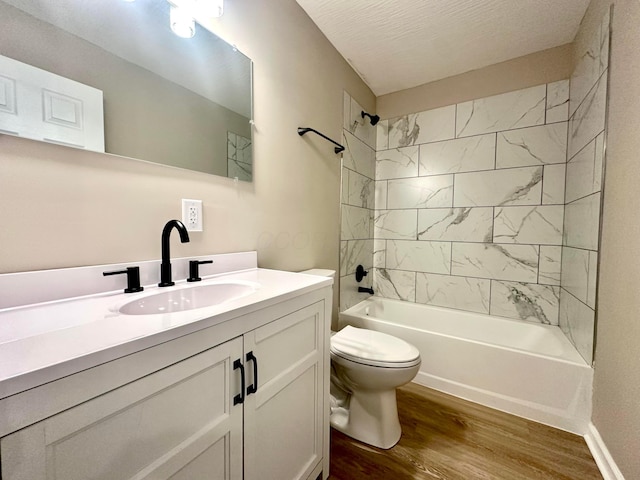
(111, 76)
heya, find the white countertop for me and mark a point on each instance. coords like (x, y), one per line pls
(42, 342)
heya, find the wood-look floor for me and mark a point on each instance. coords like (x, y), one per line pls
(444, 437)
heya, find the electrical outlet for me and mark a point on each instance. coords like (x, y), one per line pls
(192, 214)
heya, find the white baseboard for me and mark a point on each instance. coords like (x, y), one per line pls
(601, 455)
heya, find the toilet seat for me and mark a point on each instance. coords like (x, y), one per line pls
(373, 348)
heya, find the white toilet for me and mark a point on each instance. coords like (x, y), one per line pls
(366, 368)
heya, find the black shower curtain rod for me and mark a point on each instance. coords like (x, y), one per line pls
(302, 130)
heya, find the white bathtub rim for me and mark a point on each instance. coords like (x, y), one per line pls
(578, 361)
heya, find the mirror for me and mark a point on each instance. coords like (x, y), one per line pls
(184, 102)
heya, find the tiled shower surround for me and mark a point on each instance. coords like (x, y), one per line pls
(474, 206)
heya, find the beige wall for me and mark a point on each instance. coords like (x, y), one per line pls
(62, 207)
(535, 69)
(616, 399)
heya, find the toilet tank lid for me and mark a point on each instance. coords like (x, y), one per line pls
(320, 272)
(360, 343)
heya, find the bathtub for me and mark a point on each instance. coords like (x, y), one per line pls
(527, 369)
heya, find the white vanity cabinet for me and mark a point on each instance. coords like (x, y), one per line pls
(179, 420)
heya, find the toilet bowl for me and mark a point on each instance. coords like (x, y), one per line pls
(366, 369)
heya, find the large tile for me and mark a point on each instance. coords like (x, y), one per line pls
(232, 139)
(240, 170)
(513, 186)
(553, 184)
(428, 126)
(577, 321)
(394, 284)
(584, 173)
(397, 163)
(356, 223)
(349, 295)
(598, 170)
(550, 265)
(456, 224)
(525, 301)
(419, 256)
(558, 101)
(344, 189)
(604, 41)
(361, 190)
(522, 108)
(459, 155)
(575, 272)
(379, 253)
(343, 256)
(243, 149)
(382, 135)
(500, 262)
(531, 225)
(582, 222)
(358, 156)
(395, 224)
(593, 279)
(590, 65)
(381, 194)
(463, 293)
(541, 145)
(421, 192)
(589, 119)
(357, 252)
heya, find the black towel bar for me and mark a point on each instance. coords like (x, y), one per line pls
(302, 130)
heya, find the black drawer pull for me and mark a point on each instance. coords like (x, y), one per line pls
(239, 398)
(253, 388)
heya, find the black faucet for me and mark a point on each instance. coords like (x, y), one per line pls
(165, 268)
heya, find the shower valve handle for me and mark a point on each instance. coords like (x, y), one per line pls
(360, 273)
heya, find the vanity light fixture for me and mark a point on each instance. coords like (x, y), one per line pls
(182, 23)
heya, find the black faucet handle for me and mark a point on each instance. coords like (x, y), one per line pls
(133, 279)
(194, 275)
(360, 273)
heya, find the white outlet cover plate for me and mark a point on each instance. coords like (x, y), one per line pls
(192, 214)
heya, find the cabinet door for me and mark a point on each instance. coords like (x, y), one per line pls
(177, 423)
(283, 418)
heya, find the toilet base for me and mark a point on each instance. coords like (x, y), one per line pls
(371, 417)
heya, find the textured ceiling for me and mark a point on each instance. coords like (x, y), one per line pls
(394, 45)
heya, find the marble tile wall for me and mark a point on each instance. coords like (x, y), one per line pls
(239, 164)
(469, 204)
(357, 201)
(585, 157)
(490, 206)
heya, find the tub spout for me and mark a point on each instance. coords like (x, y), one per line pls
(365, 290)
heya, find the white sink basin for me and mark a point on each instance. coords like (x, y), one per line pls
(188, 298)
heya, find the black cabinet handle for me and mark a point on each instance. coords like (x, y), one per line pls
(239, 398)
(253, 388)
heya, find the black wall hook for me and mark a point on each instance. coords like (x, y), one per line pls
(302, 130)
